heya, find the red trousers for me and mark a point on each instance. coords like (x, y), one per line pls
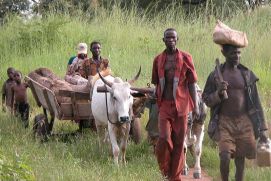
(170, 146)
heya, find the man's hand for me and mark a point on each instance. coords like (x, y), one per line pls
(263, 136)
(222, 86)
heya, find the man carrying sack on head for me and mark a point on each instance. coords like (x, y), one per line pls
(234, 104)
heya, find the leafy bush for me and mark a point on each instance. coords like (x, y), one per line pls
(17, 170)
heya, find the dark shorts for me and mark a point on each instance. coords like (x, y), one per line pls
(237, 136)
(22, 110)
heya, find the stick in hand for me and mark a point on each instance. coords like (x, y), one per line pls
(220, 77)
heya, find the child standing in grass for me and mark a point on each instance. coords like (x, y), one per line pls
(6, 90)
(20, 104)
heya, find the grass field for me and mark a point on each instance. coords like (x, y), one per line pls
(129, 39)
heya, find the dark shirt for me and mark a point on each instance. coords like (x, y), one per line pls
(253, 104)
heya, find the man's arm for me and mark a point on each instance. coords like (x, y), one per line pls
(12, 100)
(3, 96)
(263, 135)
(155, 78)
(106, 63)
(192, 79)
(193, 94)
(212, 95)
(105, 68)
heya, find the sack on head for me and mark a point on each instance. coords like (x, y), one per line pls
(225, 35)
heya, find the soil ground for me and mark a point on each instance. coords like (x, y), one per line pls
(189, 177)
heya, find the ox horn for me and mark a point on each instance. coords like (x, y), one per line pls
(105, 81)
(136, 77)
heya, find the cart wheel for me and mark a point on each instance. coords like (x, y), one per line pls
(41, 127)
(136, 130)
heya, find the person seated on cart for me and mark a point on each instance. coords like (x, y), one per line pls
(96, 62)
(20, 104)
(74, 69)
(81, 49)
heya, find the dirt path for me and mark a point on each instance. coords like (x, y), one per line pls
(189, 177)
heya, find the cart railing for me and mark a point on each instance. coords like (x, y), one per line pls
(78, 108)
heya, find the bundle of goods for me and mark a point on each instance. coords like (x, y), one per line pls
(49, 80)
(224, 35)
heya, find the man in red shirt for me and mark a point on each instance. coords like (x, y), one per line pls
(174, 77)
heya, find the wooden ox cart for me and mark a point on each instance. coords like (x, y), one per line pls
(78, 109)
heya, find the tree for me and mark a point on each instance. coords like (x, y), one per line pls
(13, 6)
(69, 6)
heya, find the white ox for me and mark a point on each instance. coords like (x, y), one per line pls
(194, 137)
(112, 112)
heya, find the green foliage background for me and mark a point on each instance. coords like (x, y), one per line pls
(129, 38)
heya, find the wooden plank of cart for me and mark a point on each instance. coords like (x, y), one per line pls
(78, 109)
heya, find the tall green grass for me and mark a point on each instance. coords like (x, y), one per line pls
(129, 39)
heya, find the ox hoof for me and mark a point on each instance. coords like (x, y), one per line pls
(196, 175)
(185, 171)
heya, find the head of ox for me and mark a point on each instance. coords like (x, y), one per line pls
(115, 105)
